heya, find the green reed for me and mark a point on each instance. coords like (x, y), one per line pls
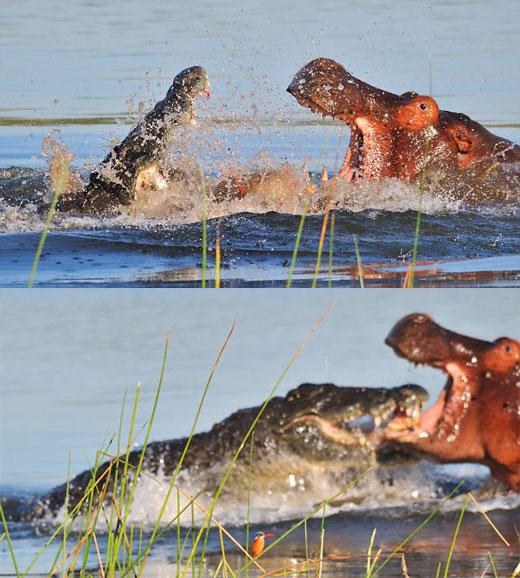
(410, 279)
(320, 246)
(455, 535)
(306, 206)
(359, 264)
(217, 257)
(204, 226)
(59, 175)
(331, 248)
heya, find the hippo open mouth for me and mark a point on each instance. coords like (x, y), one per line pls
(375, 117)
(464, 359)
(397, 135)
(477, 415)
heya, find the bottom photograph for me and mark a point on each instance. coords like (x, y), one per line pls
(260, 433)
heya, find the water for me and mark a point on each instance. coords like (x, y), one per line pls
(67, 358)
(122, 61)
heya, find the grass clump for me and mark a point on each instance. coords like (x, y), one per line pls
(59, 164)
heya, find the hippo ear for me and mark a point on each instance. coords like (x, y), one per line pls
(462, 138)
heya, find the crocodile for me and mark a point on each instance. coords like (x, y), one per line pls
(112, 183)
(315, 427)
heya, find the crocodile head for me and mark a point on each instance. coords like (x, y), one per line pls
(326, 421)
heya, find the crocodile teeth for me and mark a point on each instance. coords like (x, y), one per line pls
(397, 425)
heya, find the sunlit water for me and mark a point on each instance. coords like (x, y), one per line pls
(67, 359)
(92, 65)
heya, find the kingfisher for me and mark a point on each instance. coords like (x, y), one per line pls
(258, 543)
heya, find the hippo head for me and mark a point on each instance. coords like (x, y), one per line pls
(396, 135)
(378, 120)
(483, 376)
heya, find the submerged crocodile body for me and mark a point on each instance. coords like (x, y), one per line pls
(113, 182)
(312, 427)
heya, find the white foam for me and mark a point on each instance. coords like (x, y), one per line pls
(298, 488)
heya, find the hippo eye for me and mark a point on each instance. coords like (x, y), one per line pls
(507, 348)
(423, 106)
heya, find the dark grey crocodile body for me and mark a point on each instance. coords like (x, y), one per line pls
(316, 423)
(112, 183)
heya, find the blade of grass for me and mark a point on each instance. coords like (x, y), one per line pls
(66, 507)
(219, 566)
(492, 564)
(404, 567)
(322, 542)
(331, 246)
(455, 535)
(370, 564)
(249, 490)
(324, 226)
(204, 226)
(100, 559)
(9, 543)
(223, 550)
(179, 552)
(320, 246)
(418, 528)
(488, 520)
(306, 540)
(59, 172)
(359, 263)
(410, 278)
(299, 235)
(217, 258)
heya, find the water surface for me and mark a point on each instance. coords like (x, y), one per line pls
(90, 69)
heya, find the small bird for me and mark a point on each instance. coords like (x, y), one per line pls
(258, 543)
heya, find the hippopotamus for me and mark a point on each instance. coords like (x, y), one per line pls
(397, 135)
(315, 427)
(112, 183)
(477, 415)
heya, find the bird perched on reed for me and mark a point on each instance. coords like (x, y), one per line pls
(258, 543)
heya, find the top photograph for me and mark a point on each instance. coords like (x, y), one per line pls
(260, 144)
